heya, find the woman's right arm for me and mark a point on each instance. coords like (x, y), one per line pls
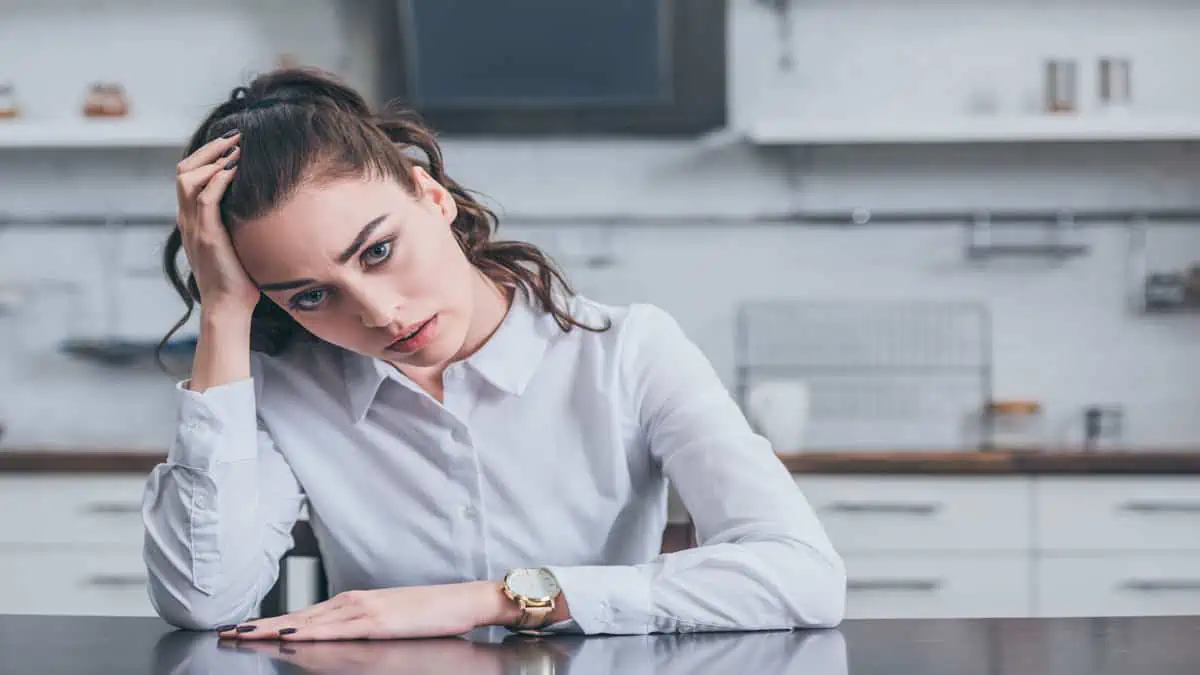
(219, 512)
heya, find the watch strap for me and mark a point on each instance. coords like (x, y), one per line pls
(534, 615)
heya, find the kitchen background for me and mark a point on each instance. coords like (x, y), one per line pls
(906, 229)
(847, 109)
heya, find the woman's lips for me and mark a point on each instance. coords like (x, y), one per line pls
(418, 339)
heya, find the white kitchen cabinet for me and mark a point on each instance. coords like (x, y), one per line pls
(1118, 513)
(73, 580)
(71, 509)
(922, 513)
(1118, 584)
(72, 544)
(938, 586)
(937, 546)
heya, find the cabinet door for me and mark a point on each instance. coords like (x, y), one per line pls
(901, 513)
(62, 580)
(1100, 513)
(71, 510)
(1118, 584)
(928, 586)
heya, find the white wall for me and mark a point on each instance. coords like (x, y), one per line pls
(1063, 333)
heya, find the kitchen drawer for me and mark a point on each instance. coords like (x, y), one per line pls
(1118, 585)
(73, 580)
(928, 586)
(901, 513)
(71, 509)
(1101, 513)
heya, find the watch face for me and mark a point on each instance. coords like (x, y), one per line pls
(533, 583)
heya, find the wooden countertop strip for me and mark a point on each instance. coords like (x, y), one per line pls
(1140, 462)
(915, 462)
(83, 461)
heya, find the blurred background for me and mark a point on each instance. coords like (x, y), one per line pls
(917, 239)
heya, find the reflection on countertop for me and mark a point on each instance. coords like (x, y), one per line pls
(498, 652)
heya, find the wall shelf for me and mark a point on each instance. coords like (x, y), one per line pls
(798, 130)
(85, 133)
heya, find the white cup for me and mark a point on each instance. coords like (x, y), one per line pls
(779, 410)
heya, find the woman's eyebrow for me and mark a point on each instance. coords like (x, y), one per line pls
(343, 257)
(361, 239)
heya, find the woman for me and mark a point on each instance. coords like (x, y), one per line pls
(476, 444)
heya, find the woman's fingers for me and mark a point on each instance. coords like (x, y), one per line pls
(189, 185)
(207, 153)
(269, 628)
(346, 629)
(210, 196)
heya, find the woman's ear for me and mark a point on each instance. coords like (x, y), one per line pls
(435, 194)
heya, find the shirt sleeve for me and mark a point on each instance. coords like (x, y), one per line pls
(218, 513)
(764, 559)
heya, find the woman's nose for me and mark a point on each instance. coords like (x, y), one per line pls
(375, 308)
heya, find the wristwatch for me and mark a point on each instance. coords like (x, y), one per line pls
(534, 590)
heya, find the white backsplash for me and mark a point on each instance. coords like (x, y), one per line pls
(1063, 333)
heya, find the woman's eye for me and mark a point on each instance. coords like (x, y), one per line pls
(377, 253)
(309, 299)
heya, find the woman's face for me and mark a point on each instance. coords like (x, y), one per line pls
(367, 266)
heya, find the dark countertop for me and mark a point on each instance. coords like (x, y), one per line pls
(911, 462)
(47, 645)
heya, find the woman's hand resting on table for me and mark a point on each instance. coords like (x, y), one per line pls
(410, 612)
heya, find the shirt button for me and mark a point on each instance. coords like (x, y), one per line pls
(469, 512)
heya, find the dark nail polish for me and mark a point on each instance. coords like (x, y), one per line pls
(246, 629)
(287, 631)
(229, 151)
(228, 626)
(231, 165)
(229, 134)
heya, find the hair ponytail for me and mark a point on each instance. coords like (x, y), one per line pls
(301, 124)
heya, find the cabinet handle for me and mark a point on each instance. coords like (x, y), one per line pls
(113, 508)
(908, 508)
(922, 585)
(118, 580)
(1162, 584)
(1161, 506)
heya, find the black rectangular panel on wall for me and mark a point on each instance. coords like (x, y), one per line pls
(542, 67)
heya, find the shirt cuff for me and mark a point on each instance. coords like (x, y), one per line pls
(217, 425)
(611, 600)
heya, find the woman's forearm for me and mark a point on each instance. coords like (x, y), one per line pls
(222, 351)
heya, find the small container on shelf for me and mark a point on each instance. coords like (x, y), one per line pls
(1062, 94)
(1115, 79)
(1016, 424)
(105, 99)
(9, 108)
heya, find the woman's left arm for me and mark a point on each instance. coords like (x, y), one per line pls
(764, 560)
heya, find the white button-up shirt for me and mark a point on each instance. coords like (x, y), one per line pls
(551, 449)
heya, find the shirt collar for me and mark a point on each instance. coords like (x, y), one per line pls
(511, 356)
(507, 360)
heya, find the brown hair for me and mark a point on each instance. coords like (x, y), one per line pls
(304, 124)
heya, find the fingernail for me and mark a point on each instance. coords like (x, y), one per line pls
(231, 164)
(228, 626)
(229, 151)
(287, 631)
(246, 629)
(229, 134)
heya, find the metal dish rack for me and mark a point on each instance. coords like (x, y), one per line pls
(881, 374)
